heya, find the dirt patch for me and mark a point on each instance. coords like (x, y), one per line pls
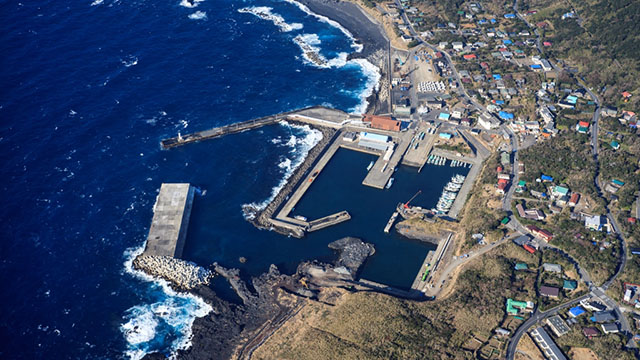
(582, 354)
(527, 350)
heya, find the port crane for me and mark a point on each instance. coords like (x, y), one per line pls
(406, 205)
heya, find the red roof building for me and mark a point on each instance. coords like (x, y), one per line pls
(575, 197)
(546, 43)
(626, 94)
(469, 56)
(541, 233)
(583, 123)
(382, 122)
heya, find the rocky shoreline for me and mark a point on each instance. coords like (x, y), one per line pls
(235, 330)
(183, 275)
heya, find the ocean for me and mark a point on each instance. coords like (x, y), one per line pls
(89, 88)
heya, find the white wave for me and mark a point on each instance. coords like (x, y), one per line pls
(300, 147)
(324, 19)
(198, 15)
(97, 2)
(190, 3)
(129, 61)
(143, 322)
(264, 12)
(372, 73)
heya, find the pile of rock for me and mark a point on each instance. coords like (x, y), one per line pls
(353, 253)
(182, 274)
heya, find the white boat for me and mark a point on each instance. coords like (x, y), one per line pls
(389, 183)
(370, 166)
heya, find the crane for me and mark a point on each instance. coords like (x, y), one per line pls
(406, 205)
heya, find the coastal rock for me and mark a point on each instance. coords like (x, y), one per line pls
(416, 233)
(353, 253)
(184, 275)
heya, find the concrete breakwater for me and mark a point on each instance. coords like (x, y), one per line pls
(182, 274)
(262, 218)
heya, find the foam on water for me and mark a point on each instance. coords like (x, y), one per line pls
(146, 327)
(198, 15)
(265, 12)
(326, 20)
(300, 146)
(372, 73)
(190, 3)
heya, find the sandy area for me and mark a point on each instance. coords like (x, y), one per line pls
(527, 349)
(582, 354)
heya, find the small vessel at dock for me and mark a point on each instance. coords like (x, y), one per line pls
(389, 183)
(370, 166)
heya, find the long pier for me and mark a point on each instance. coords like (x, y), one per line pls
(315, 115)
(328, 221)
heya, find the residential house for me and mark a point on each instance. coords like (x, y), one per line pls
(541, 233)
(569, 285)
(596, 223)
(611, 328)
(549, 291)
(573, 201)
(552, 268)
(590, 332)
(603, 316)
(559, 191)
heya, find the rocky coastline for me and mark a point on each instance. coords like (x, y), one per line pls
(235, 330)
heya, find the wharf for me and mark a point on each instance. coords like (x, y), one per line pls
(418, 157)
(433, 259)
(378, 178)
(171, 214)
(315, 115)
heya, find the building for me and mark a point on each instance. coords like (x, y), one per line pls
(557, 325)
(521, 240)
(549, 291)
(576, 311)
(552, 268)
(350, 136)
(521, 211)
(374, 141)
(573, 201)
(610, 328)
(546, 344)
(434, 104)
(521, 266)
(603, 316)
(559, 191)
(593, 305)
(590, 332)
(382, 122)
(569, 285)
(488, 122)
(596, 222)
(457, 45)
(541, 233)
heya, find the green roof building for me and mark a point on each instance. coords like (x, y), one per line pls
(521, 266)
(514, 306)
(570, 285)
(560, 191)
(615, 145)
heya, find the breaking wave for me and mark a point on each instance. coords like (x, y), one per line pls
(198, 15)
(264, 12)
(165, 322)
(300, 146)
(190, 3)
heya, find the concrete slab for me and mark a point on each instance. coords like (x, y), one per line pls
(170, 220)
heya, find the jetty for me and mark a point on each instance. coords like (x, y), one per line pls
(328, 221)
(171, 214)
(430, 265)
(314, 115)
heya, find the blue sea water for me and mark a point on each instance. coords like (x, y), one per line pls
(88, 88)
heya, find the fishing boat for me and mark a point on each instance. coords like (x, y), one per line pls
(389, 183)
(370, 166)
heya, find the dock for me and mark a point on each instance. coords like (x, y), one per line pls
(382, 170)
(392, 220)
(421, 279)
(171, 214)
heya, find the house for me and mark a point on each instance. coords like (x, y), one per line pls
(502, 186)
(596, 223)
(592, 305)
(552, 268)
(573, 201)
(514, 307)
(434, 104)
(502, 332)
(615, 145)
(521, 212)
(557, 325)
(546, 344)
(541, 233)
(534, 214)
(569, 285)
(469, 56)
(559, 191)
(582, 127)
(521, 240)
(610, 111)
(549, 291)
(611, 328)
(603, 316)
(382, 122)
(521, 266)
(458, 113)
(544, 177)
(590, 332)
(457, 45)
(444, 116)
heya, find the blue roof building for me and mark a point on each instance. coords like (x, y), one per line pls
(493, 21)
(546, 177)
(536, 67)
(507, 42)
(499, 102)
(445, 135)
(509, 16)
(505, 115)
(443, 116)
(576, 311)
(572, 99)
(497, 76)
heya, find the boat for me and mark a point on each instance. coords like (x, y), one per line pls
(416, 145)
(300, 217)
(389, 183)
(370, 166)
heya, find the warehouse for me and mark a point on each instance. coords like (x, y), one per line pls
(374, 141)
